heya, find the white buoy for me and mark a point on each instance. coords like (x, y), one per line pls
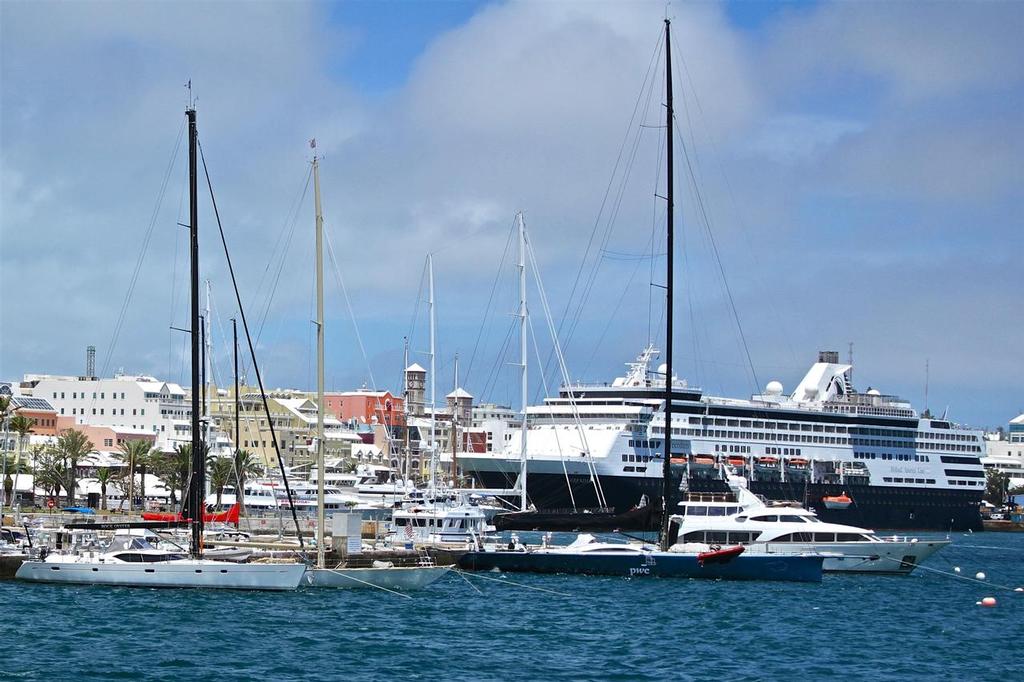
(956, 569)
(979, 575)
(977, 603)
(988, 601)
(1019, 589)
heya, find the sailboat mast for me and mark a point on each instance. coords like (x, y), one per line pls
(198, 482)
(669, 276)
(405, 406)
(522, 359)
(433, 382)
(320, 517)
(455, 424)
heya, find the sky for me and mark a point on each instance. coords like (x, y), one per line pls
(845, 173)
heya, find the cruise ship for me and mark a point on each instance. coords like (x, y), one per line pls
(601, 447)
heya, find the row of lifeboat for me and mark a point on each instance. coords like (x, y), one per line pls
(738, 461)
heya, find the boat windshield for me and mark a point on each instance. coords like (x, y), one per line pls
(120, 542)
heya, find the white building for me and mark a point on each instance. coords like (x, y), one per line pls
(1006, 454)
(136, 402)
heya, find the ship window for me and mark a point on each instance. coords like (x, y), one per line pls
(824, 537)
(849, 537)
(791, 518)
(697, 511)
(716, 511)
(694, 536)
(717, 536)
(768, 519)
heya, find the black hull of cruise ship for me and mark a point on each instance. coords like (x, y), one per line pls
(875, 507)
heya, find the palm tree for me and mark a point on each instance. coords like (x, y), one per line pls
(48, 470)
(72, 445)
(221, 470)
(136, 454)
(22, 426)
(173, 469)
(103, 477)
(5, 415)
(246, 466)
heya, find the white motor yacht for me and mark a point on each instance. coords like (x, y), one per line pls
(740, 517)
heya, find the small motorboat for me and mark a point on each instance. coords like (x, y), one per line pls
(841, 501)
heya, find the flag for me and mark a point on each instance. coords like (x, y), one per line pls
(312, 143)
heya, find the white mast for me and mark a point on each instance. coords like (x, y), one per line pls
(320, 517)
(433, 382)
(522, 356)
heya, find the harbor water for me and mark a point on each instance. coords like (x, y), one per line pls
(925, 626)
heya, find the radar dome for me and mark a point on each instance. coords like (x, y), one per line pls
(773, 388)
(874, 391)
(662, 368)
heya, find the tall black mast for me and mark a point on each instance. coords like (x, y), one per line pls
(198, 478)
(667, 464)
(239, 483)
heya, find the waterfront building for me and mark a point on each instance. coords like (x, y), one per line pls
(137, 402)
(1004, 451)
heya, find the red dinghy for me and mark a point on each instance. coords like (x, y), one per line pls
(720, 556)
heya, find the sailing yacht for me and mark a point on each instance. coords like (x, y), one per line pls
(139, 564)
(382, 576)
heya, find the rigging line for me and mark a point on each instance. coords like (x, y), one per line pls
(614, 213)
(493, 376)
(490, 298)
(280, 267)
(509, 582)
(612, 316)
(348, 304)
(718, 256)
(252, 352)
(558, 441)
(142, 255)
(174, 282)
(729, 189)
(608, 189)
(595, 479)
(292, 211)
(416, 307)
(654, 229)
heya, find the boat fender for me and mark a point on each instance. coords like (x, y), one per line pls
(979, 575)
(988, 601)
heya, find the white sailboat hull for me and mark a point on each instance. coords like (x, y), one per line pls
(179, 573)
(396, 578)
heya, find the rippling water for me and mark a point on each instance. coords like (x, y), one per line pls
(923, 626)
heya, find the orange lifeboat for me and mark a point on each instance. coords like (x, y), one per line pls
(736, 461)
(704, 460)
(797, 462)
(841, 501)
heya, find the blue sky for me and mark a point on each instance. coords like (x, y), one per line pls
(859, 163)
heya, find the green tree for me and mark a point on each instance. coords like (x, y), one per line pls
(104, 476)
(72, 445)
(137, 454)
(221, 471)
(996, 486)
(173, 468)
(48, 470)
(21, 425)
